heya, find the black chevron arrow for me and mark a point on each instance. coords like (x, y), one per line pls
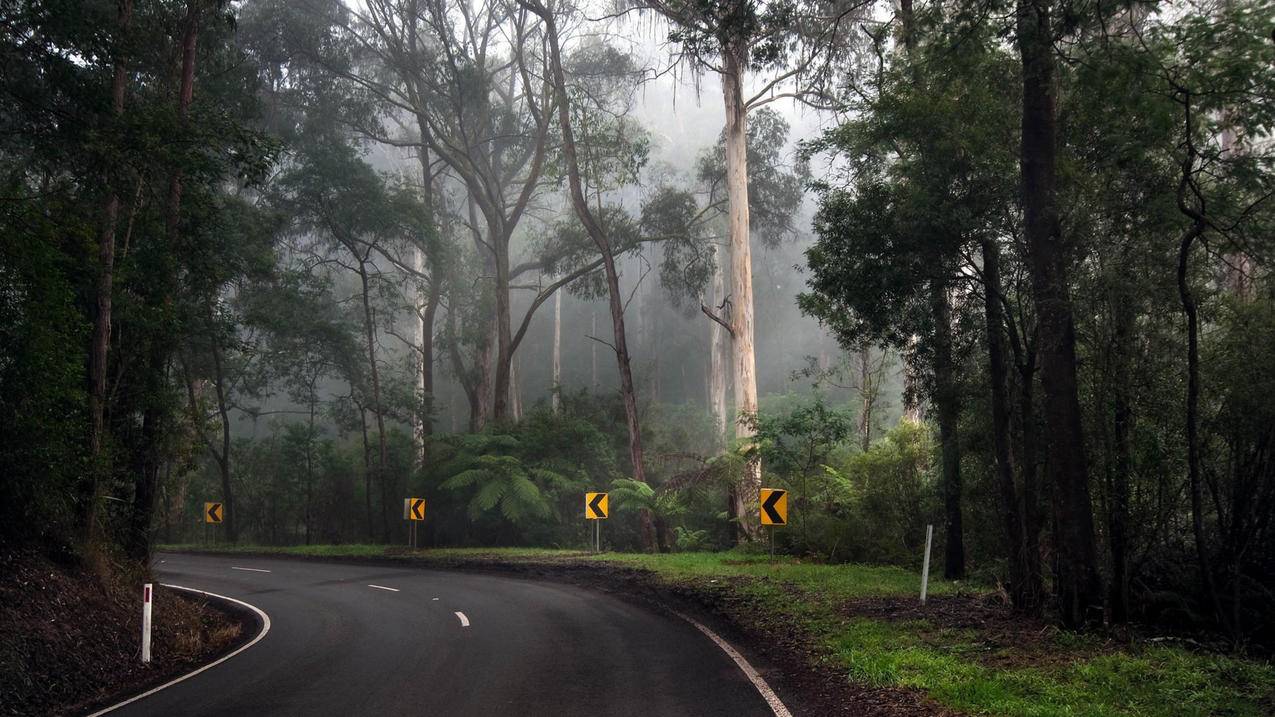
(769, 506)
(417, 505)
(595, 505)
(214, 512)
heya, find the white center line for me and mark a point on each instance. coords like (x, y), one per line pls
(255, 570)
(382, 587)
(464, 621)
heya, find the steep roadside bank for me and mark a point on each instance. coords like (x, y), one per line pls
(70, 640)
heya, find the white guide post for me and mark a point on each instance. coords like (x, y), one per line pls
(925, 568)
(147, 594)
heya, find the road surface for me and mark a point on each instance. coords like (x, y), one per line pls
(349, 639)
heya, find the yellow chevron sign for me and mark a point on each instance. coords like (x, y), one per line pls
(595, 506)
(774, 506)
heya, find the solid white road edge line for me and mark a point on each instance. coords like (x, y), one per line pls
(255, 570)
(382, 587)
(464, 621)
(767, 694)
(265, 627)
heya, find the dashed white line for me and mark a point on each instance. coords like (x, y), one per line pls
(382, 587)
(464, 621)
(772, 699)
(433, 598)
(253, 570)
(265, 627)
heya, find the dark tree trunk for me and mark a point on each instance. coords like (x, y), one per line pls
(947, 403)
(146, 480)
(223, 411)
(369, 330)
(1024, 583)
(105, 288)
(1076, 581)
(367, 472)
(1122, 464)
(428, 317)
(1195, 479)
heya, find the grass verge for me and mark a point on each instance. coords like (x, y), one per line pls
(963, 650)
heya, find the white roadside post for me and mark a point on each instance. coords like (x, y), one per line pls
(146, 622)
(925, 567)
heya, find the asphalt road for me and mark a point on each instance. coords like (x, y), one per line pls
(444, 643)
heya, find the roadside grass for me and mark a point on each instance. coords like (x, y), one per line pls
(1076, 676)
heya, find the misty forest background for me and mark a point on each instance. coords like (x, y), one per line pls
(1000, 267)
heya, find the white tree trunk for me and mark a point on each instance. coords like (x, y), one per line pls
(418, 339)
(515, 391)
(717, 350)
(557, 351)
(744, 363)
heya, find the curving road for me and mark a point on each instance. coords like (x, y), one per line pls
(351, 639)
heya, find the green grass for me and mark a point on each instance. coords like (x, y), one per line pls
(1078, 677)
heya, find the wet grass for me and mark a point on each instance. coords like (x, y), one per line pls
(1058, 675)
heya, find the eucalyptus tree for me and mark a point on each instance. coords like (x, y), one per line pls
(797, 47)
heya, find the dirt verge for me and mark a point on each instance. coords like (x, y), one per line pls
(70, 639)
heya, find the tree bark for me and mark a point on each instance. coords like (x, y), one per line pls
(1077, 582)
(1024, 578)
(557, 352)
(369, 329)
(1194, 477)
(1121, 425)
(718, 348)
(947, 403)
(735, 59)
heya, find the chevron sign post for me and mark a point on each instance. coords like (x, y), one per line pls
(774, 511)
(596, 507)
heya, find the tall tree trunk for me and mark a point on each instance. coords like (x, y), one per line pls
(428, 317)
(105, 288)
(557, 351)
(947, 403)
(515, 391)
(367, 472)
(1122, 419)
(718, 360)
(717, 348)
(501, 388)
(599, 237)
(309, 464)
(735, 59)
(369, 330)
(1024, 584)
(223, 412)
(1077, 582)
(1195, 479)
